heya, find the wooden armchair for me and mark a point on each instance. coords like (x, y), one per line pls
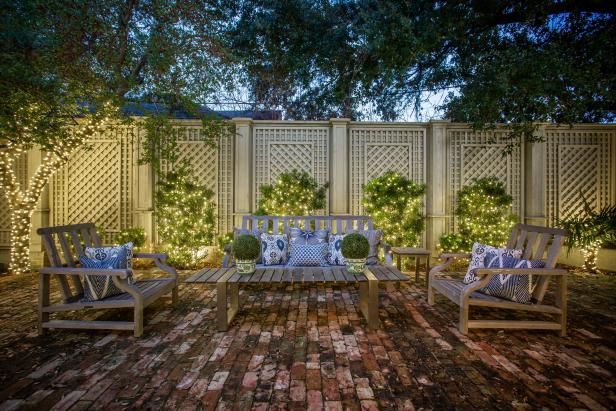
(63, 245)
(533, 240)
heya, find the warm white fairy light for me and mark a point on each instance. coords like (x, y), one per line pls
(22, 201)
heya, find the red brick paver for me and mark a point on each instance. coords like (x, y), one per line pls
(307, 347)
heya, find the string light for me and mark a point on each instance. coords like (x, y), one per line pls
(483, 215)
(62, 142)
(394, 202)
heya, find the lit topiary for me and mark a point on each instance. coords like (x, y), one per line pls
(394, 202)
(185, 214)
(355, 246)
(484, 215)
(295, 193)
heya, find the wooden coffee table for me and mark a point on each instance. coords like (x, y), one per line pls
(228, 281)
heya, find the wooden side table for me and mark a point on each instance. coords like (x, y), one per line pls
(417, 253)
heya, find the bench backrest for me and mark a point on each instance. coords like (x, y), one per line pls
(283, 224)
(538, 243)
(63, 245)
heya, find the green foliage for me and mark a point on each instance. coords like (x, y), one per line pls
(484, 215)
(355, 246)
(246, 247)
(224, 240)
(504, 62)
(395, 202)
(185, 214)
(136, 235)
(590, 231)
(295, 193)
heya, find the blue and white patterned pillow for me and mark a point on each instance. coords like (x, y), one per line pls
(478, 257)
(334, 250)
(518, 288)
(299, 236)
(105, 253)
(97, 287)
(311, 255)
(274, 249)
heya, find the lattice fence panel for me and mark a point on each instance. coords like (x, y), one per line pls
(21, 167)
(374, 151)
(96, 184)
(280, 149)
(473, 155)
(580, 163)
(212, 166)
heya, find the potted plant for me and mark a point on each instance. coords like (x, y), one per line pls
(355, 249)
(246, 249)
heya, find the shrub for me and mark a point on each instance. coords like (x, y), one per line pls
(224, 240)
(186, 217)
(355, 246)
(591, 231)
(134, 234)
(484, 215)
(295, 193)
(394, 202)
(246, 247)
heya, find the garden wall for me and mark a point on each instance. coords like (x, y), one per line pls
(108, 186)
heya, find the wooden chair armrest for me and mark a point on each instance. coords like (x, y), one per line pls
(160, 256)
(160, 259)
(448, 258)
(521, 271)
(121, 273)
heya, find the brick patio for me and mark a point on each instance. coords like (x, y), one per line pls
(307, 347)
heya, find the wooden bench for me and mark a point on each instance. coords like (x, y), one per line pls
(534, 241)
(283, 225)
(228, 281)
(63, 245)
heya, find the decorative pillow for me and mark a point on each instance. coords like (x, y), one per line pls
(97, 287)
(308, 255)
(479, 255)
(515, 287)
(105, 253)
(274, 248)
(299, 236)
(373, 237)
(334, 250)
(256, 233)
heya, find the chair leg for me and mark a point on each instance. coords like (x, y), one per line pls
(430, 295)
(463, 324)
(174, 295)
(43, 301)
(138, 321)
(561, 302)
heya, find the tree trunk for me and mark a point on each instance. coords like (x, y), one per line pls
(20, 239)
(591, 254)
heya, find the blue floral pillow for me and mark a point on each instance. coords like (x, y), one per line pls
(97, 287)
(518, 288)
(334, 250)
(106, 253)
(308, 255)
(274, 249)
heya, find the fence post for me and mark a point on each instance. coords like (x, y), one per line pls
(40, 217)
(436, 178)
(339, 167)
(535, 186)
(242, 165)
(143, 190)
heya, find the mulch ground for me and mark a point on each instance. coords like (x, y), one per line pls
(307, 347)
